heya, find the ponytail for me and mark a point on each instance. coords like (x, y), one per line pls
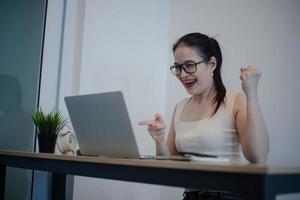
(220, 88)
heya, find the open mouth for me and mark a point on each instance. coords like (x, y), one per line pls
(189, 83)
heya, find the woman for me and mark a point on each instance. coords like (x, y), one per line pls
(213, 120)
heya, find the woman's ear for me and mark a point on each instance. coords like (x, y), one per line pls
(212, 63)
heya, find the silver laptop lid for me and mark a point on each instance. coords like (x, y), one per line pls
(102, 125)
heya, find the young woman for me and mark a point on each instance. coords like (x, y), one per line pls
(213, 120)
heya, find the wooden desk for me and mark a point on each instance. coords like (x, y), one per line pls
(254, 182)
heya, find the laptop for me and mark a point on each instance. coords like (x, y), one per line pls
(102, 126)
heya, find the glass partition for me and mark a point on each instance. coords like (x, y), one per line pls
(21, 39)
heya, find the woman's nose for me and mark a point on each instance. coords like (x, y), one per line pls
(183, 74)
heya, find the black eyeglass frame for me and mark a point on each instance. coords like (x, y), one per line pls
(182, 66)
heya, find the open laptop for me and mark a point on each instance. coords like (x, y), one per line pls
(103, 128)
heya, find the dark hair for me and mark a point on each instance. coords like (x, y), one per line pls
(207, 47)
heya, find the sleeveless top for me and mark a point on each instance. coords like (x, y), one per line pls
(216, 135)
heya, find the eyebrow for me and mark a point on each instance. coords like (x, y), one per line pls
(175, 63)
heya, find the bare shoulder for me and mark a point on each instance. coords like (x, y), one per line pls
(181, 104)
(183, 101)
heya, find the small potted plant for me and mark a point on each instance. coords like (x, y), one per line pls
(48, 125)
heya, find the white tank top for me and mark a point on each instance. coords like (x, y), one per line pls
(216, 135)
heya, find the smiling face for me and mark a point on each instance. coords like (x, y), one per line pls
(199, 81)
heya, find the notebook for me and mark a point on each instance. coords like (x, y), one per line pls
(102, 125)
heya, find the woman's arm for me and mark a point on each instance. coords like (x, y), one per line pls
(167, 147)
(171, 137)
(157, 130)
(249, 119)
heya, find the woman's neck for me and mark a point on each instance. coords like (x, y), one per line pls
(206, 96)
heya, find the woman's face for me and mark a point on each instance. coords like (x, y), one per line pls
(199, 81)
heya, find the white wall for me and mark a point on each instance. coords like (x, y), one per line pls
(126, 45)
(51, 56)
(125, 48)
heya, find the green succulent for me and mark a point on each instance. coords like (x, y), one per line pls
(48, 123)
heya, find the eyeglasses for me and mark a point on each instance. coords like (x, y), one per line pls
(188, 67)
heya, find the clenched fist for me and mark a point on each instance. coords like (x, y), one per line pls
(249, 77)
